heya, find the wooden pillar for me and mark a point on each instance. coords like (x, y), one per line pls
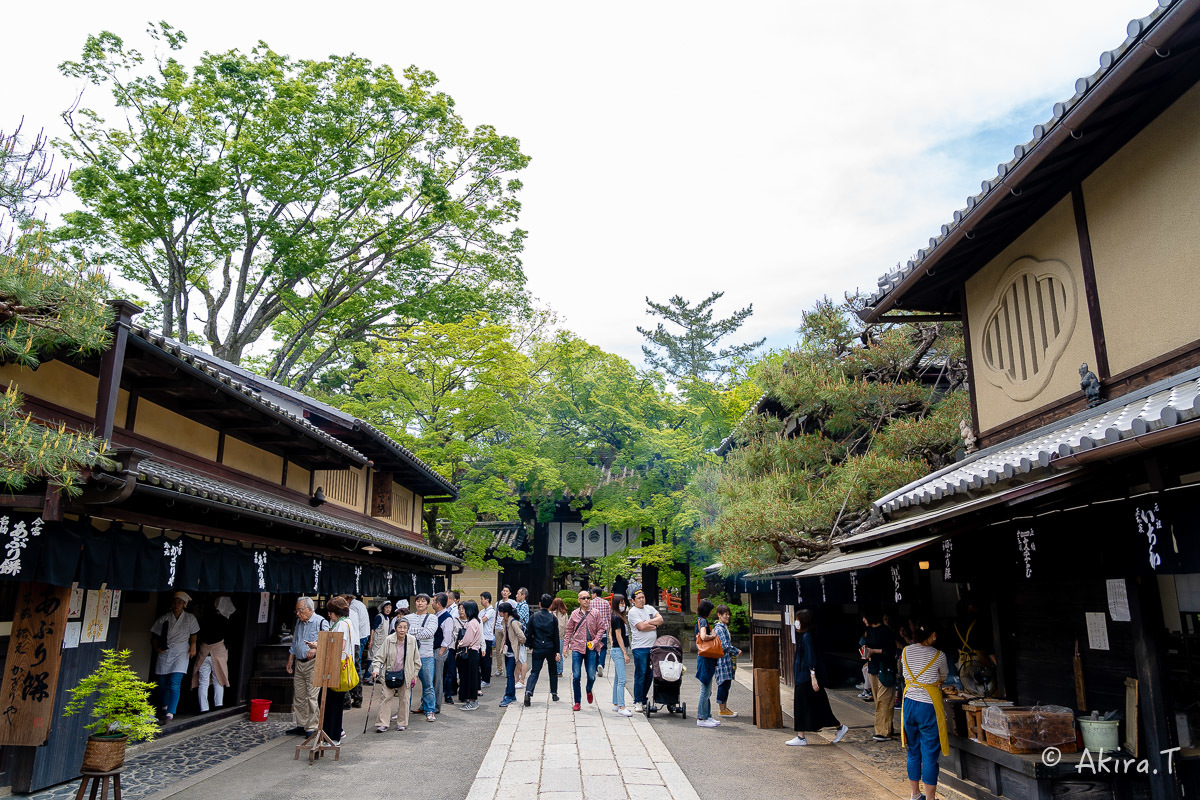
(1145, 610)
(112, 363)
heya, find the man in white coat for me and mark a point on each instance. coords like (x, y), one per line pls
(174, 639)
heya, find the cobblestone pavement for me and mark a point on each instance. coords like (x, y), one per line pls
(567, 755)
(153, 770)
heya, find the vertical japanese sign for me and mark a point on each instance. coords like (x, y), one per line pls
(31, 672)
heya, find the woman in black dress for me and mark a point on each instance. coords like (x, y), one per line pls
(810, 709)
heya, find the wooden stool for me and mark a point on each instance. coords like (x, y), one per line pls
(100, 781)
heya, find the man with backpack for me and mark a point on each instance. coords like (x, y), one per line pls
(545, 647)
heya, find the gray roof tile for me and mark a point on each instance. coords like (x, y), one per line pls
(153, 473)
(1165, 404)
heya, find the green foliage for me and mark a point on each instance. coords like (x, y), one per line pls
(875, 406)
(739, 615)
(47, 310)
(691, 355)
(326, 202)
(570, 597)
(120, 701)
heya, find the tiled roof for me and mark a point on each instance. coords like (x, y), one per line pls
(218, 370)
(966, 217)
(1161, 405)
(166, 477)
(251, 385)
(507, 534)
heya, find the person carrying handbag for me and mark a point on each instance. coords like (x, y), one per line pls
(338, 611)
(399, 662)
(708, 651)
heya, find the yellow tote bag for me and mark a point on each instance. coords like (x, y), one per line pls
(349, 675)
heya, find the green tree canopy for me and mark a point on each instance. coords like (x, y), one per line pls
(325, 202)
(875, 406)
(47, 310)
(691, 354)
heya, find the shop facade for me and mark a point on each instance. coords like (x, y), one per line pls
(223, 485)
(1073, 528)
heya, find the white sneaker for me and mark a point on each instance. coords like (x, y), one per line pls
(625, 712)
(520, 685)
(707, 723)
(637, 707)
(841, 732)
(799, 741)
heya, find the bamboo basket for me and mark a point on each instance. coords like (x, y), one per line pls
(104, 754)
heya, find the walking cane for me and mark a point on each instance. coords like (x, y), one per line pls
(371, 702)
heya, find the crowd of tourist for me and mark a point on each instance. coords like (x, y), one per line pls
(445, 651)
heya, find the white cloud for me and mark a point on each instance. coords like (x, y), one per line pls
(775, 151)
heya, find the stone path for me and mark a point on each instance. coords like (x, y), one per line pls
(549, 752)
(150, 769)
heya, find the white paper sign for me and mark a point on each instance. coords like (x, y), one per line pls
(116, 604)
(75, 605)
(1097, 628)
(96, 609)
(1118, 600)
(264, 606)
(71, 635)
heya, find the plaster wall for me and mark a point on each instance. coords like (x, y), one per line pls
(1144, 224)
(473, 581)
(248, 458)
(59, 383)
(157, 423)
(1050, 244)
(298, 478)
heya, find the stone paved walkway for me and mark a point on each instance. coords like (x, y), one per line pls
(151, 769)
(549, 752)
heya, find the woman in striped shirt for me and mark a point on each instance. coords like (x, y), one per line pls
(923, 717)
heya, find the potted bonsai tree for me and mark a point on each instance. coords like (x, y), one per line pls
(120, 706)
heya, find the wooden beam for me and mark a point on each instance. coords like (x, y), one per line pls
(22, 500)
(1089, 283)
(52, 504)
(921, 318)
(971, 384)
(112, 364)
(1145, 611)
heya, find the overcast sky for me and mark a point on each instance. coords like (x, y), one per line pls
(774, 151)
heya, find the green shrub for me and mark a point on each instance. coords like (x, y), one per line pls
(570, 597)
(120, 700)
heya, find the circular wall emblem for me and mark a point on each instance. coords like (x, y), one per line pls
(572, 537)
(593, 536)
(617, 536)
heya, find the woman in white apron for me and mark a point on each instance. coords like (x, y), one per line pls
(174, 635)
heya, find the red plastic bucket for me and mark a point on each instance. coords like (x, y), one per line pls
(259, 709)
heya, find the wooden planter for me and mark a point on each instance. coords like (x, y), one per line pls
(104, 753)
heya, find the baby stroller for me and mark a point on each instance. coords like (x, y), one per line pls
(666, 662)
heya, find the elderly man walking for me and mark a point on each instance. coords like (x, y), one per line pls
(301, 664)
(585, 630)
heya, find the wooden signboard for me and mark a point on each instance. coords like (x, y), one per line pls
(31, 671)
(381, 495)
(327, 673)
(1131, 716)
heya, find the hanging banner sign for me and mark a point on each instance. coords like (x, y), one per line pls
(947, 550)
(896, 582)
(1150, 525)
(31, 671)
(1026, 547)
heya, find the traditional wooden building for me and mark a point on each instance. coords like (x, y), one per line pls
(224, 484)
(1076, 523)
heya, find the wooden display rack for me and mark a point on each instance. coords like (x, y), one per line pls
(327, 672)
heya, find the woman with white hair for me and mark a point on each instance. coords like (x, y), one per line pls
(174, 638)
(212, 657)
